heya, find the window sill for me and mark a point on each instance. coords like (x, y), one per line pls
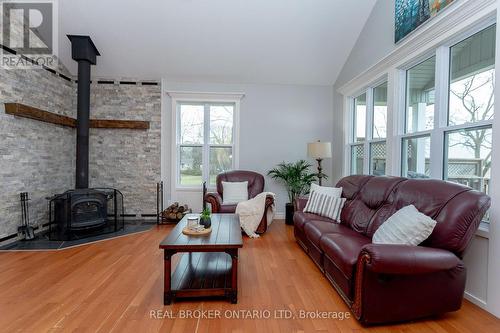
(194, 189)
(483, 230)
(189, 189)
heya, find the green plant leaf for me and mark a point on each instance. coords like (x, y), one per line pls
(295, 176)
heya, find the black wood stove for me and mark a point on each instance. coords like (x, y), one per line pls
(84, 211)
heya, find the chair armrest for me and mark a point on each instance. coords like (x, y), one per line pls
(215, 200)
(300, 203)
(406, 259)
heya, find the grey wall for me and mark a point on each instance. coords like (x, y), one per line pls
(374, 43)
(276, 123)
(35, 157)
(128, 160)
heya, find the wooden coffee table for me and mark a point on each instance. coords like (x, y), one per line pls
(210, 266)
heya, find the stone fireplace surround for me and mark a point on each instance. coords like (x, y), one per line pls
(40, 158)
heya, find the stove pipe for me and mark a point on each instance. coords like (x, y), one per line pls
(85, 53)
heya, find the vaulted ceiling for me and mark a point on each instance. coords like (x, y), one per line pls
(244, 41)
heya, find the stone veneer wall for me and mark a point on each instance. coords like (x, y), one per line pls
(39, 158)
(128, 160)
(35, 157)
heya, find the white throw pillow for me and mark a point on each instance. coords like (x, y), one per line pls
(335, 192)
(234, 192)
(325, 205)
(407, 226)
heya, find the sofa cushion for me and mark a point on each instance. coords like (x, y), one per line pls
(457, 209)
(325, 205)
(373, 195)
(315, 229)
(301, 218)
(407, 226)
(343, 251)
(227, 208)
(335, 192)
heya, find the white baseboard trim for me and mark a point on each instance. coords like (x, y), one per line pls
(475, 300)
(279, 216)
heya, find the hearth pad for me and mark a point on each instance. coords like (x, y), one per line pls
(42, 242)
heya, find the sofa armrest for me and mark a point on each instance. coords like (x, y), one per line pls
(300, 203)
(215, 201)
(406, 259)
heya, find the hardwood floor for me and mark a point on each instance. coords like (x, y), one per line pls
(113, 286)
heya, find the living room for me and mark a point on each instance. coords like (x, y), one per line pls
(178, 166)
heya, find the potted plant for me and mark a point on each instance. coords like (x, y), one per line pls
(205, 219)
(297, 179)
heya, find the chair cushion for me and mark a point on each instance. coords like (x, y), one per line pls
(300, 219)
(234, 192)
(344, 250)
(227, 209)
(255, 181)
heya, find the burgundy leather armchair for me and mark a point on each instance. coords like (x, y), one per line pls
(255, 186)
(390, 283)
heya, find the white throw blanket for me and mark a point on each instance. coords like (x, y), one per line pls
(251, 212)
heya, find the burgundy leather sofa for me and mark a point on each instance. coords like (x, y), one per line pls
(255, 186)
(391, 283)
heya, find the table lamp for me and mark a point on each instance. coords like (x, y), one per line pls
(319, 150)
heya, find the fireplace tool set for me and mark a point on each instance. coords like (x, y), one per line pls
(25, 231)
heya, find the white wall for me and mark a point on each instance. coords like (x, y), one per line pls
(493, 285)
(276, 123)
(373, 45)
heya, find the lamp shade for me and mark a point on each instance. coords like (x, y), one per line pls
(319, 149)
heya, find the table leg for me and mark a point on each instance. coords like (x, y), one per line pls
(167, 271)
(233, 294)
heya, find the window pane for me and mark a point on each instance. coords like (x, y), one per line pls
(357, 156)
(420, 93)
(190, 160)
(468, 160)
(221, 124)
(191, 124)
(221, 159)
(380, 111)
(416, 157)
(378, 158)
(472, 78)
(360, 118)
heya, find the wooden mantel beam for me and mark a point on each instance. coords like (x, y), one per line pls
(25, 111)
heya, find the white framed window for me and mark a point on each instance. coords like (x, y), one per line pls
(449, 109)
(205, 138)
(442, 104)
(469, 116)
(367, 142)
(419, 118)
